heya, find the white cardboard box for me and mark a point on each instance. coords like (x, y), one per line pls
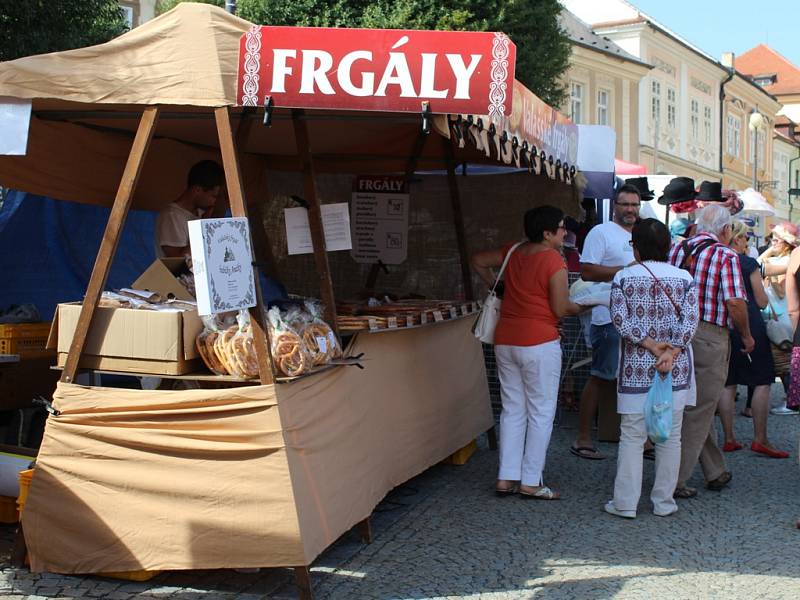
(222, 261)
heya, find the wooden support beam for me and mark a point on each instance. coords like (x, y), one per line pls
(233, 178)
(262, 250)
(411, 167)
(458, 218)
(108, 246)
(315, 218)
(302, 578)
(364, 529)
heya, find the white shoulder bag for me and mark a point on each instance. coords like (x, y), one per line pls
(490, 311)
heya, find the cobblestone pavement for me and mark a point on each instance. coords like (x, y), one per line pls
(444, 535)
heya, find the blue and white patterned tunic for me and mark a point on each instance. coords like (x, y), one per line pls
(641, 308)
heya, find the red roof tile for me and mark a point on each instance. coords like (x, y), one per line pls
(763, 60)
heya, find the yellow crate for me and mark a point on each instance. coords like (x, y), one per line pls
(460, 457)
(26, 339)
(24, 485)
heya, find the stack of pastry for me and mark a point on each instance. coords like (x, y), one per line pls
(229, 352)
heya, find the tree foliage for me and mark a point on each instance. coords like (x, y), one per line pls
(38, 26)
(542, 48)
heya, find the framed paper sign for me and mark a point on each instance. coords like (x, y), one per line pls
(222, 261)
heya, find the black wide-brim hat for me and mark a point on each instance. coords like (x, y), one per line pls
(710, 191)
(679, 189)
(641, 184)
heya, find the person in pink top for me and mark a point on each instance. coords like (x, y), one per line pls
(528, 348)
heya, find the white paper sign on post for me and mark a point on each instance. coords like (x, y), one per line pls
(222, 262)
(380, 220)
(15, 120)
(335, 223)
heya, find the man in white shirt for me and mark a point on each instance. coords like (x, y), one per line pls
(607, 250)
(197, 201)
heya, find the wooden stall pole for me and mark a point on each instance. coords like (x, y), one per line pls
(458, 218)
(302, 578)
(364, 529)
(261, 246)
(233, 178)
(315, 218)
(108, 246)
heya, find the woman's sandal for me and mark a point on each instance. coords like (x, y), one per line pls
(503, 492)
(543, 493)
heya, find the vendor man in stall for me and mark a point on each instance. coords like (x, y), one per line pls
(197, 201)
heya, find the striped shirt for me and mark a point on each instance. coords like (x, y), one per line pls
(718, 276)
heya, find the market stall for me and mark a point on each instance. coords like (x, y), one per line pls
(271, 473)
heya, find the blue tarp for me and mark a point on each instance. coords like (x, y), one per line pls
(48, 248)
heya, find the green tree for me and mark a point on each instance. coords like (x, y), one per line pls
(542, 48)
(38, 26)
(163, 6)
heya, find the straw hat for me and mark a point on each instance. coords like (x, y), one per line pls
(787, 232)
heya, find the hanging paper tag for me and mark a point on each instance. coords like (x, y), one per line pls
(423, 318)
(373, 324)
(453, 312)
(392, 322)
(322, 344)
(438, 316)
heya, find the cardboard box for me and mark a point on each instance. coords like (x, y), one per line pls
(131, 341)
(160, 277)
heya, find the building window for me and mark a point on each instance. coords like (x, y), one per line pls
(127, 14)
(708, 126)
(760, 148)
(734, 135)
(603, 97)
(655, 101)
(576, 102)
(695, 119)
(782, 175)
(672, 109)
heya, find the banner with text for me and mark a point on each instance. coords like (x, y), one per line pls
(377, 69)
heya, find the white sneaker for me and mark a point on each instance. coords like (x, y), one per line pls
(782, 410)
(612, 510)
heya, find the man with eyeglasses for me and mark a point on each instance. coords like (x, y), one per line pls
(607, 250)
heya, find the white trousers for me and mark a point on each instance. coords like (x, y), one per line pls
(628, 484)
(529, 377)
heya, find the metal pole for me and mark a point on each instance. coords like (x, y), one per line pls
(755, 158)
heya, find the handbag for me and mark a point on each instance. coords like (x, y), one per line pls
(658, 408)
(779, 331)
(485, 324)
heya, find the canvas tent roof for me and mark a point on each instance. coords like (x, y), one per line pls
(87, 104)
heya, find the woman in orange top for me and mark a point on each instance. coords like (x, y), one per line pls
(528, 348)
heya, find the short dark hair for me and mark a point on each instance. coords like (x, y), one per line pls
(207, 174)
(628, 189)
(541, 219)
(651, 239)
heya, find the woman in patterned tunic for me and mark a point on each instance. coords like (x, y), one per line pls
(654, 308)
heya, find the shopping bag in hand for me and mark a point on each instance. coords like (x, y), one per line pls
(658, 408)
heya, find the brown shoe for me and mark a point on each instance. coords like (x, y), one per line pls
(684, 492)
(720, 482)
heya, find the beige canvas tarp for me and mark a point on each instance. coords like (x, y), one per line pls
(254, 476)
(87, 104)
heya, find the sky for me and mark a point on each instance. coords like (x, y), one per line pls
(717, 26)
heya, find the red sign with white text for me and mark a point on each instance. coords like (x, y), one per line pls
(377, 69)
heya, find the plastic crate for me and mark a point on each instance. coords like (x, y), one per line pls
(24, 485)
(26, 339)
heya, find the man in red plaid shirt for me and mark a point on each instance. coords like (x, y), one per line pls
(723, 304)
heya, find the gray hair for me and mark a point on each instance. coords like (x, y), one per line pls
(713, 218)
